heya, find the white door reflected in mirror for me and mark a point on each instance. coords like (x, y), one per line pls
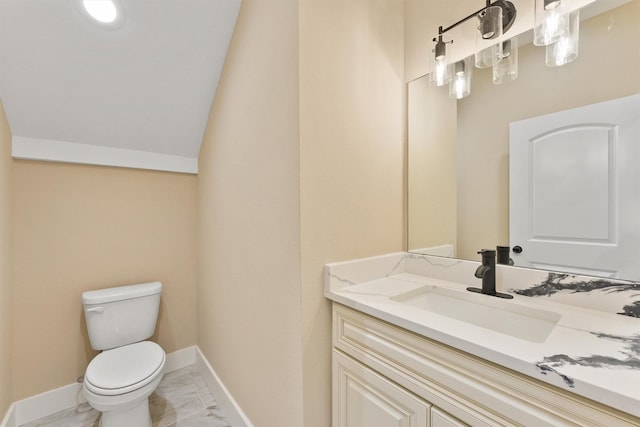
(573, 189)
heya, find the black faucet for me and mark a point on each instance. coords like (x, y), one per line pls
(503, 255)
(487, 272)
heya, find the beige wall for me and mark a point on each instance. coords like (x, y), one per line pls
(83, 227)
(302, 165)
(431, 167)
(352, 132)
(290, 181)
(249, 236)
(5, 264)
(604, 70)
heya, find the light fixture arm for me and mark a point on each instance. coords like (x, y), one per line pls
(508, 16)
(440, 49)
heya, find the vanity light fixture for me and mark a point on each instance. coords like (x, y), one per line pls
(493, 21)
(554, 27)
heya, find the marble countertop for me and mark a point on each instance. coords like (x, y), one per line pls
(595, 354)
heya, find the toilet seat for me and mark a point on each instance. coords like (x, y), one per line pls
(124, 369)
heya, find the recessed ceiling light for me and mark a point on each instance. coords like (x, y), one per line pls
(103, 11)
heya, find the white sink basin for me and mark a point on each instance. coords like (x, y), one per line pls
(497, 314)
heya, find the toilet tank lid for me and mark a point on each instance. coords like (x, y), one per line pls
(101, 296)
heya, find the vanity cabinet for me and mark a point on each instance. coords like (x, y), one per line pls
(384, 375)
(363, 397)
(366, 398)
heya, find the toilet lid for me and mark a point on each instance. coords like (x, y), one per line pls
(115, 371)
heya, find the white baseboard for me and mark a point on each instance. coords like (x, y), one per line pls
(48, 403)
(181, 358)
(10, 417)
(232, 411)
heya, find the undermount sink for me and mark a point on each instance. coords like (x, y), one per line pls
(503, 316)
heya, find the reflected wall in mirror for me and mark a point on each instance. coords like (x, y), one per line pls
(458, 165)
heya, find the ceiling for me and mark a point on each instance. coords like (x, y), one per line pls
(136, 94)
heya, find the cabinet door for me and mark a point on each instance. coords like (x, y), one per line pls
(439, 418)
(364, 398)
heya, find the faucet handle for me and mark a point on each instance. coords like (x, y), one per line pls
(488, 256)
(504, 257)
(487, 252)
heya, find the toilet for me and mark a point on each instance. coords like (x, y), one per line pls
(119, 380)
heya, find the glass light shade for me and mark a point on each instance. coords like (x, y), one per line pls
(440, 69)
(489, 56)
(440, 73)
(507, 67)
(460, 84)
(489, 28)
(551, 22)
(565, 50)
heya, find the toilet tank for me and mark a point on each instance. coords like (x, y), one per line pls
(121, 315)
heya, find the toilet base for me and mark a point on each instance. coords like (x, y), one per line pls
(136, 416)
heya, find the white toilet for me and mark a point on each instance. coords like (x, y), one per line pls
(120, 379)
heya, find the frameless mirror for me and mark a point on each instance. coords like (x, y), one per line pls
(459, 156)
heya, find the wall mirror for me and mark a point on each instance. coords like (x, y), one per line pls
(459, 151)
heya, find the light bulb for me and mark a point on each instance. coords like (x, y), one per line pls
(104, 11)
(460, 85)
(440, 73)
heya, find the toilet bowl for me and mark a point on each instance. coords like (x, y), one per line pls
(119, 380)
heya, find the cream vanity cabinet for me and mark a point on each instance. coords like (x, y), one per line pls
(386, 376)
(362, 397)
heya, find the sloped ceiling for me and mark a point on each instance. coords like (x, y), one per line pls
(137, 94)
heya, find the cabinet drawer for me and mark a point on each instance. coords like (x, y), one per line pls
(475, 391)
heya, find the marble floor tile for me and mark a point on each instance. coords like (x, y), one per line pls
(203, 391)
(168, 406)
(204, 418)
(181, 400)
(81, 416)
